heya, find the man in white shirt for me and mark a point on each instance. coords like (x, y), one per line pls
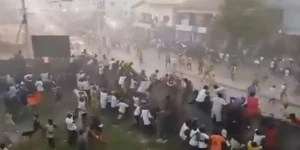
(122, 109)
(132, 84)
(193, 139)
(217, 105)
(272, 65)
(153, 76)
(174, 64)
(47, 80)
(201, 94)
(113, 101)
(261, 58)
(146, 116)
(137, 114)
(183, 129)
(137, 117)
(203, 139)
(101, 70)
(136, 100)
(281, 65)
(256, 62)
(72, 59)
(272, 94)
(221, 55)
(81, 106)
(71, 127)
(80, 75)
(111, 63)
(122, 81)
(10, 80)
(258, 137)
(103, 99)
(283, 93)
(233, 71)
(91, 61)
(104, 61)
(220, 89)
(45, 77)
(28, 77)
(81, 110)
(12, 91)
(85, 86)
(286, 72)
(80, 84)
(144, 85)
(226, 59)
(39, 85)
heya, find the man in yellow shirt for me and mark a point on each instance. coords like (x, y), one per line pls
(253, 146)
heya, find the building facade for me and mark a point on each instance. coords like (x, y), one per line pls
(189, 19)
(155, 19)
(193, 18)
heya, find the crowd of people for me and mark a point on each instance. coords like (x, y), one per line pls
(112, 88)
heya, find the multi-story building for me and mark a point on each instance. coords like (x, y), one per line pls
(150, 12)
(155, 18)
(189, 19)
(193, 18)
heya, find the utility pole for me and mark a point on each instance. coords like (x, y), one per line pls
(29, 52)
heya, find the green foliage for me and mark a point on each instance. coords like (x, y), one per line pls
(249, 21)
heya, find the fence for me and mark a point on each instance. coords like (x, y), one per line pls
(16, 66)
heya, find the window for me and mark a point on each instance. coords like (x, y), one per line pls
(183, 18)
(146, 18)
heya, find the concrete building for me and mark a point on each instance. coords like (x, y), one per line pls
(155, 19)
(155, 12)
(193, 18)
(189, 19)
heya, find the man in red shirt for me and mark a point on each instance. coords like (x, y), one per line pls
(271, 139)
(252, 109)
(294, 119)
(291, 116)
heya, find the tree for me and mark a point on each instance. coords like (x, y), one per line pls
(246, 23)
